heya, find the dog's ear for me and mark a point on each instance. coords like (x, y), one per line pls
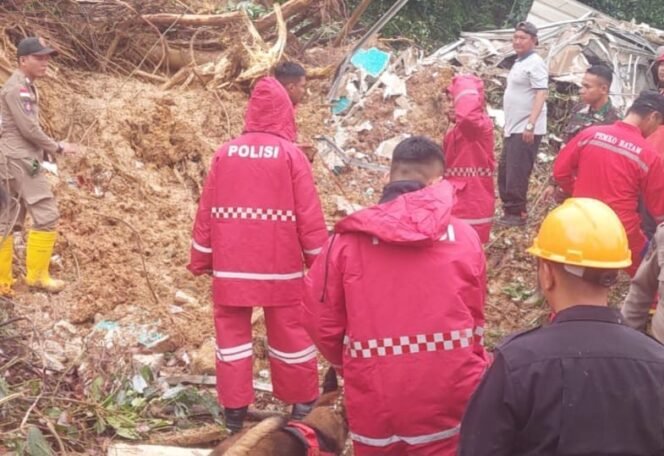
(330, 382)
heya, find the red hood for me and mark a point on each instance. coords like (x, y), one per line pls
(270, 110)
(415, 218)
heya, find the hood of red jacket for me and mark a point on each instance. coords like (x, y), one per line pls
(415, 218)
(270, 110)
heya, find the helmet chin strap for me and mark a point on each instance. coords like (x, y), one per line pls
(603, 277)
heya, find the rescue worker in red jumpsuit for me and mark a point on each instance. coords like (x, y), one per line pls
(468, 151)
(615, 164)
(259, 222)
(396, 303)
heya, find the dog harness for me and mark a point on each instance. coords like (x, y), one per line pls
(307, 435)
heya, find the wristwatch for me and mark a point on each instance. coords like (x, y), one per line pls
(530, 126)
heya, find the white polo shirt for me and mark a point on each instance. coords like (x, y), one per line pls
(528, 75)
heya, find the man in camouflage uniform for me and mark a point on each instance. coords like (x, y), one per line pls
(595, 108)
(23, 145)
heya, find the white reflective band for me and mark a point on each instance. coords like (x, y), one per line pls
(293, 358)
(625, 153)
(313, 251)
(449, 236)
(480, 221)
(468, 171)
(410, 440)
(200, 248)
(253, 213)
(234, 353)
(419, 343)
(466, 92)
(256, 276)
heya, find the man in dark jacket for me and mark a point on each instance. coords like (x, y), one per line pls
(586, 384)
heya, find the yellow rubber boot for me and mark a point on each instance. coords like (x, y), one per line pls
(38, 250)
(6, 259)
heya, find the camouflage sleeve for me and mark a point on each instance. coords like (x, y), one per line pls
(23, 111)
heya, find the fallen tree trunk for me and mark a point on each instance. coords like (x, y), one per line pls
(354, 18)
(265, 23)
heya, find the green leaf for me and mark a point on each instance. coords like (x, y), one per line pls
(37, 444)
(128, 433)
(100, 425)
(96, 389)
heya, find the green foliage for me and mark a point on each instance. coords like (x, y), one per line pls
(649, 11)
(433, 23)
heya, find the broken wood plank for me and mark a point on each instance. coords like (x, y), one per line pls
(200, 435)
(288, 10)
(125, 449)
(263, 24)
(193, 379)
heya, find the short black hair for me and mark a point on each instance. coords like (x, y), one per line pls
(647, 102)
(602, 71)
(418, 155)
(287, 72)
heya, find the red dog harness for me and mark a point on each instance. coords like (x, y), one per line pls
(307, 435)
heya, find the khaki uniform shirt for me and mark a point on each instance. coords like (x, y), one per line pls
(22, 136)
(648, 280)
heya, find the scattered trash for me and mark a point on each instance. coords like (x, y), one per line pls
(138, 383)
(345, 207)
(183, 298)
(124, 449)
(154, 361)
(175, 309)
(203, 360)
(132, 334)
(262, 386)
(386, 148)
(498, 116)
(50, 167)
(64, 329)
(340, 105)
(192, 379)
(372, 61)
(394, 86)
(150, 338)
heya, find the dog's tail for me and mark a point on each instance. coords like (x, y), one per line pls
(249, 440)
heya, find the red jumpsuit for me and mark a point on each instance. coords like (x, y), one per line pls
(259, 221)
(469, 159)
(615, 164)
(396, 302)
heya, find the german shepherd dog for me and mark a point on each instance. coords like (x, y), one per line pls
(271, 438)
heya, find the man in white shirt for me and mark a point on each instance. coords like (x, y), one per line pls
(524, 105)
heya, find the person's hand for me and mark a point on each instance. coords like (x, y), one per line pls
(528, 137)
(69, 149)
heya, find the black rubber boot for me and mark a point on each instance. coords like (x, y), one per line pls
(301, 410)
(234, 418)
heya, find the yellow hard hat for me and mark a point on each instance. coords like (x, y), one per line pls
(583, 232)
